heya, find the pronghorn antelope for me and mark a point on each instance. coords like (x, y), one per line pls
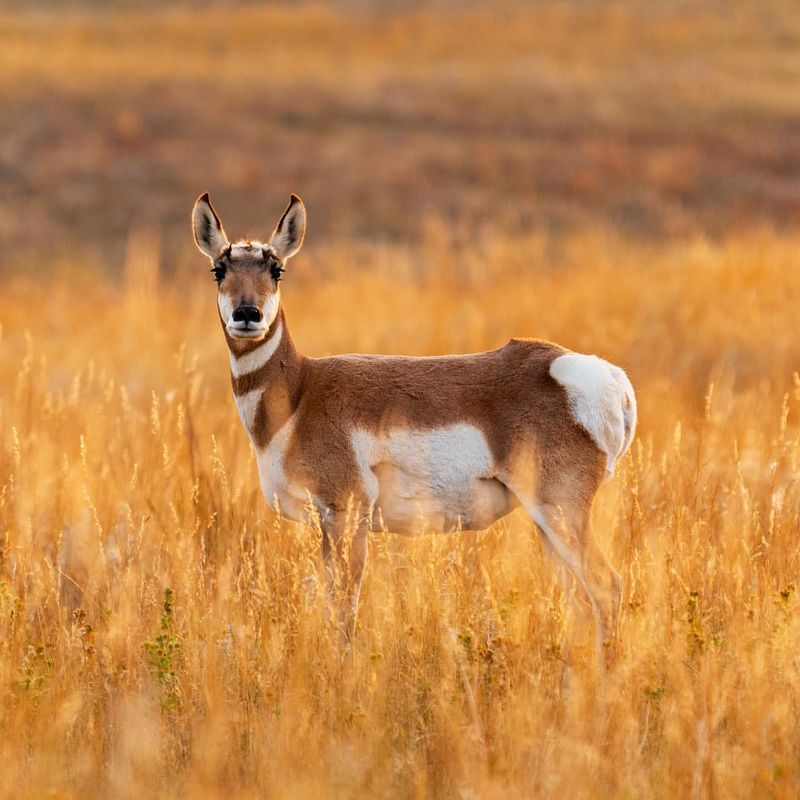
(448, 442)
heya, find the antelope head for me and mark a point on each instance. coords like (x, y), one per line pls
(248, 272)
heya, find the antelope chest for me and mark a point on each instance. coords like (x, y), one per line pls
(285, 491)
(247, 406)
(288, 495)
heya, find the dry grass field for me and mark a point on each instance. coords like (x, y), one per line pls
(162, 633)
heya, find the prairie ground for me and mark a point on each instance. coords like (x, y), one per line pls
(621, 178)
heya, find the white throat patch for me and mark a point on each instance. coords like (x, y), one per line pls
(256, 359)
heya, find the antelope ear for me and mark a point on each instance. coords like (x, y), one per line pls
(208, 233)
(288, 236)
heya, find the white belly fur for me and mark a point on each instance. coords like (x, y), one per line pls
(428, 480)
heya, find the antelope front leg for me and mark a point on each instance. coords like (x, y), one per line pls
(344, 552)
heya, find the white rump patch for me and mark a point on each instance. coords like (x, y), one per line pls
(602, 401)
(256, 359)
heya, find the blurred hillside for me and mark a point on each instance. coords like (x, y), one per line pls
(653, 119)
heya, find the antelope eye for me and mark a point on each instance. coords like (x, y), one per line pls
(276, 270)
(219, 273)
(274, 266)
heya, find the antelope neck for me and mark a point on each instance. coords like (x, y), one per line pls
(269, 372)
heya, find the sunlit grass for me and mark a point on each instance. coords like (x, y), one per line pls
(163, 635)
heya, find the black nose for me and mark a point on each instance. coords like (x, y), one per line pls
(247, 314)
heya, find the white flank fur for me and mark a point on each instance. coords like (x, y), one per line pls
(602, 401)
(444, 476)
(256, 359)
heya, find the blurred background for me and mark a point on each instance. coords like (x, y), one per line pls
(620, 176)
(651, 119)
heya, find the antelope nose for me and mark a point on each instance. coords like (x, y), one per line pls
(247, 314)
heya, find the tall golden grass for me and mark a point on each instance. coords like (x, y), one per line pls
(162, 634)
